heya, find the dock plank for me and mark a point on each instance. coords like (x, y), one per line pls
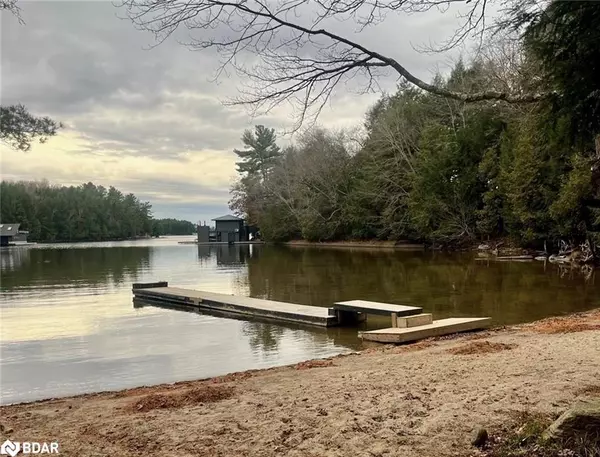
(290, 312)
(373, 307)
(437, 328)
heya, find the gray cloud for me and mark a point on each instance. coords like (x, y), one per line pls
(185, 192)
(186, 205)
(81, 64)
(75, 56)
(80, 61)
(190, 212)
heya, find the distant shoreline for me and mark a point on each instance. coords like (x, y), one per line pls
(377, 244)
(403, 245)
(109, 240)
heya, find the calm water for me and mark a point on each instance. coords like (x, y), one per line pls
(68, 323)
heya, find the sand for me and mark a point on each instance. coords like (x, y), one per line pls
(417, 400)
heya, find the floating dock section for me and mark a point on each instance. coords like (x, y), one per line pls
(280, 311)
(409, 323)
(434, 328)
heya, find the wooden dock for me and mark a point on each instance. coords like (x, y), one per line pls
(408, 322)
(280, 311)
(436, 328)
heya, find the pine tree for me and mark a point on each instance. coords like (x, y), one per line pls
(261, 152)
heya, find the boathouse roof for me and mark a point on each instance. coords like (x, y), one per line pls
(228, 217)
(9, 229)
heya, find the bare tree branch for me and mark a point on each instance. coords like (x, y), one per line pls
(284, 54)
(12, 7)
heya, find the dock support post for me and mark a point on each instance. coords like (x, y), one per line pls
(394, 320)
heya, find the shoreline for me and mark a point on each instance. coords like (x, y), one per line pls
(400, 245)
(411, 400)
(222, 243)
(110, 240)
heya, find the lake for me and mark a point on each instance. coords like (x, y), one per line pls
(69, 325)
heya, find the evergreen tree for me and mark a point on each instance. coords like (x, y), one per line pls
(261, 153)
(19, 128)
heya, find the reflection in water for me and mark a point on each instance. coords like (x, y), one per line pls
(13, 258)
(264, 337)
(445, 284)
(204, 252)
(89, 266)
(68, 324)
(225, 254)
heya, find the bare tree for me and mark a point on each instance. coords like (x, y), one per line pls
(294, 57)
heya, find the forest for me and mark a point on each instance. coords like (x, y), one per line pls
(83, 213)
(172, 227)
(442, 171)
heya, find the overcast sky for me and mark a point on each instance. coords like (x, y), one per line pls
(151, 121)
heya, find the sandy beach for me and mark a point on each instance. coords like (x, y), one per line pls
(417, 400)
